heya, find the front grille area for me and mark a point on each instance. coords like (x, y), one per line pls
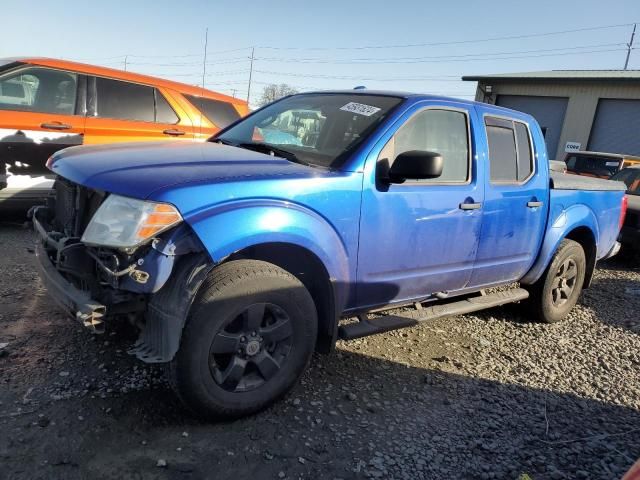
(74, 207)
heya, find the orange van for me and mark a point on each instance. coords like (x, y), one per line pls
(47, 105)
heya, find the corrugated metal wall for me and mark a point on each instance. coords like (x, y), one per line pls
(616, 127)
(581, 108)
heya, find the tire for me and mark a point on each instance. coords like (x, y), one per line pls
(557, 291)
(249, 337)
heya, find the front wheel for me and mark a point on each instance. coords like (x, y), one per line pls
(249, 336)
(557, 292)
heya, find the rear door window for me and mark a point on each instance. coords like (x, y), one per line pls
(39, 89)
(218, 112)
(510, 153)
(164, 112)
(124, 100)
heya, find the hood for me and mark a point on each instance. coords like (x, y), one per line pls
(139, 169)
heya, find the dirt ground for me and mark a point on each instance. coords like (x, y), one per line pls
(481, 396)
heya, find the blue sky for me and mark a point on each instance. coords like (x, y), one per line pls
(317, 45)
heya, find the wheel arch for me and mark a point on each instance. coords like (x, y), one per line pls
(307, 267)
(577, 223)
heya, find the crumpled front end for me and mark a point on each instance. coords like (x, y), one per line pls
(95, 284)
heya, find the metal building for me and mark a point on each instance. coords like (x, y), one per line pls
(596, 110)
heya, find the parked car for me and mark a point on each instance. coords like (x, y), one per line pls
(47, 105)
(630, 234)
(238, 257)
(598, 164)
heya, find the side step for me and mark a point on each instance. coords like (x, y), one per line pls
(366, 327)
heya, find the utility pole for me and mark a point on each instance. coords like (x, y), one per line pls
(234, 90)
(630, 46)
(125, 62)
(253, 49)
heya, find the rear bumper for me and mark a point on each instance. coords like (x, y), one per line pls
(75, 302)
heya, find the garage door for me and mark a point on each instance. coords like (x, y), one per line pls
(548, 111)
(616, 128)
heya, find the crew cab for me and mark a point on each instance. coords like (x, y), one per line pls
(237, 257)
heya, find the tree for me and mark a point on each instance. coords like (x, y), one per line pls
(273, 92)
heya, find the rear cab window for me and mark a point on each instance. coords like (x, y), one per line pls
(593, 165)
(510, 151)
(218, 112)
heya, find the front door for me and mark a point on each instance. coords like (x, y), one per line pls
(120, 111)
(420, 237)
(515, 204)
(41, 111)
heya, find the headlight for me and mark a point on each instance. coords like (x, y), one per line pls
(124, 222)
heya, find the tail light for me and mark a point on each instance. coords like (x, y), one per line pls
(623, 210)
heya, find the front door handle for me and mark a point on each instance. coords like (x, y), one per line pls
(534, 204)
(55, 126)
(470, 206)
(173, 132)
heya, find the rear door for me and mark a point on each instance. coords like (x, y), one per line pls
(120, 111)
(515, 202)
(41, 111)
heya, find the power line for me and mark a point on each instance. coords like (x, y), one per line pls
(466, 55)
(442, 78)
(455, 42)
(439, 60)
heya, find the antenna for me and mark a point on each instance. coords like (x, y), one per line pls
(204, 70)
(630, 46)
(253, 49)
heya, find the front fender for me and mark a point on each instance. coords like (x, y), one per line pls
(564, 221)
(233, 226)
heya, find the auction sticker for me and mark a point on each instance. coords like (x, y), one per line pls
(360, 109)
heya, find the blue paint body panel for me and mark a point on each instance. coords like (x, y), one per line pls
(380, 244)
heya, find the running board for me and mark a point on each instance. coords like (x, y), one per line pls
(365, 327)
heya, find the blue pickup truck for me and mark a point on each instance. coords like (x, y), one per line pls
(239, 257)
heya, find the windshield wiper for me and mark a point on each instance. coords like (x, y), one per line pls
(271, 150)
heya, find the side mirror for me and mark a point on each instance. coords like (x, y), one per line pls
(416, 165)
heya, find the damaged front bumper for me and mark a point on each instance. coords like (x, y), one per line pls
(75, 302)
(175, 266)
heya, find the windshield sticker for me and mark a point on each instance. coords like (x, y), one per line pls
(360, 109)
(612, 164)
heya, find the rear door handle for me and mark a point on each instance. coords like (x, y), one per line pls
(55, 126)
(173, 132)
(470, 206)
(534, 204)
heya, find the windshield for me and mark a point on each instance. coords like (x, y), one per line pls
(316, 129)
(601, 167)
(631, 178)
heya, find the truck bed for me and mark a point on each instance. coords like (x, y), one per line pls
(566, 181)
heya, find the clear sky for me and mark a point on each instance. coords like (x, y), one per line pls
(408, 44)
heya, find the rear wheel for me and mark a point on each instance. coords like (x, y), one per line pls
(250, 335)
(557, 292)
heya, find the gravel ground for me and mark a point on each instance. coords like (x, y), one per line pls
(478, 396)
